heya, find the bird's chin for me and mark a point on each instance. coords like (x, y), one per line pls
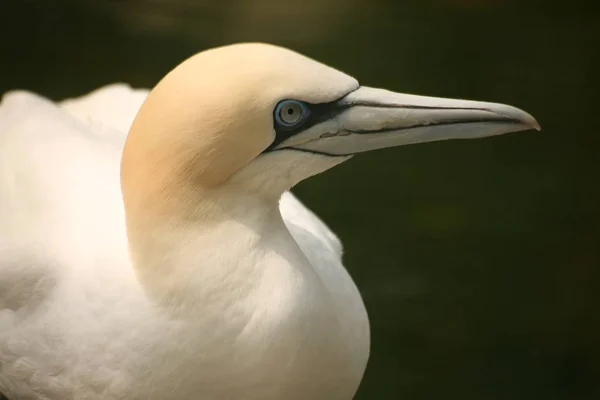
(275, 172)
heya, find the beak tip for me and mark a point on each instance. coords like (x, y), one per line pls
(525, 119)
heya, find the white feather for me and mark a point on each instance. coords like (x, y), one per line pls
(74, 323)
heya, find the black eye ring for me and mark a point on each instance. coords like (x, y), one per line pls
(291, 113)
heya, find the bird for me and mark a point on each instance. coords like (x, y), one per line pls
(150, 246)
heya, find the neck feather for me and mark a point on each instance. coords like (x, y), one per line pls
(227, 247)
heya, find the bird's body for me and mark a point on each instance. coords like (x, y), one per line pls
(171, 263)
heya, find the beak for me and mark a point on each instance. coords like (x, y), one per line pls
(370, 119)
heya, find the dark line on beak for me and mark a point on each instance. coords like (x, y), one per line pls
(441, 123)
(408, 106)
(320, 153)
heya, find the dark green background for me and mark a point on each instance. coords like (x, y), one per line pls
(478, 260)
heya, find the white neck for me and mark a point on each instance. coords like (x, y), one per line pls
(239, 249)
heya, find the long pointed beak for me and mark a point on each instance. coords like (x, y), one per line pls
(376, 118)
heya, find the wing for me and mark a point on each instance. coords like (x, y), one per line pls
(59, 196)
(310, 232)
(114, 105)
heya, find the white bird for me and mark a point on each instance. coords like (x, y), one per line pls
(163, 258)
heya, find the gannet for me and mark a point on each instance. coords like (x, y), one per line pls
(164, 258)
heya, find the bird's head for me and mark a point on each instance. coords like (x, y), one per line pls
(258, 119)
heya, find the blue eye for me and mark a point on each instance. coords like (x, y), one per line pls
(291, 113)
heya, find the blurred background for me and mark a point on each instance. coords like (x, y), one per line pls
(479, 261)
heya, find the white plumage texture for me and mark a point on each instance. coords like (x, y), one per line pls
(74, 322)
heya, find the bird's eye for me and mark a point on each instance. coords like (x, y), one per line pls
(290, 113)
